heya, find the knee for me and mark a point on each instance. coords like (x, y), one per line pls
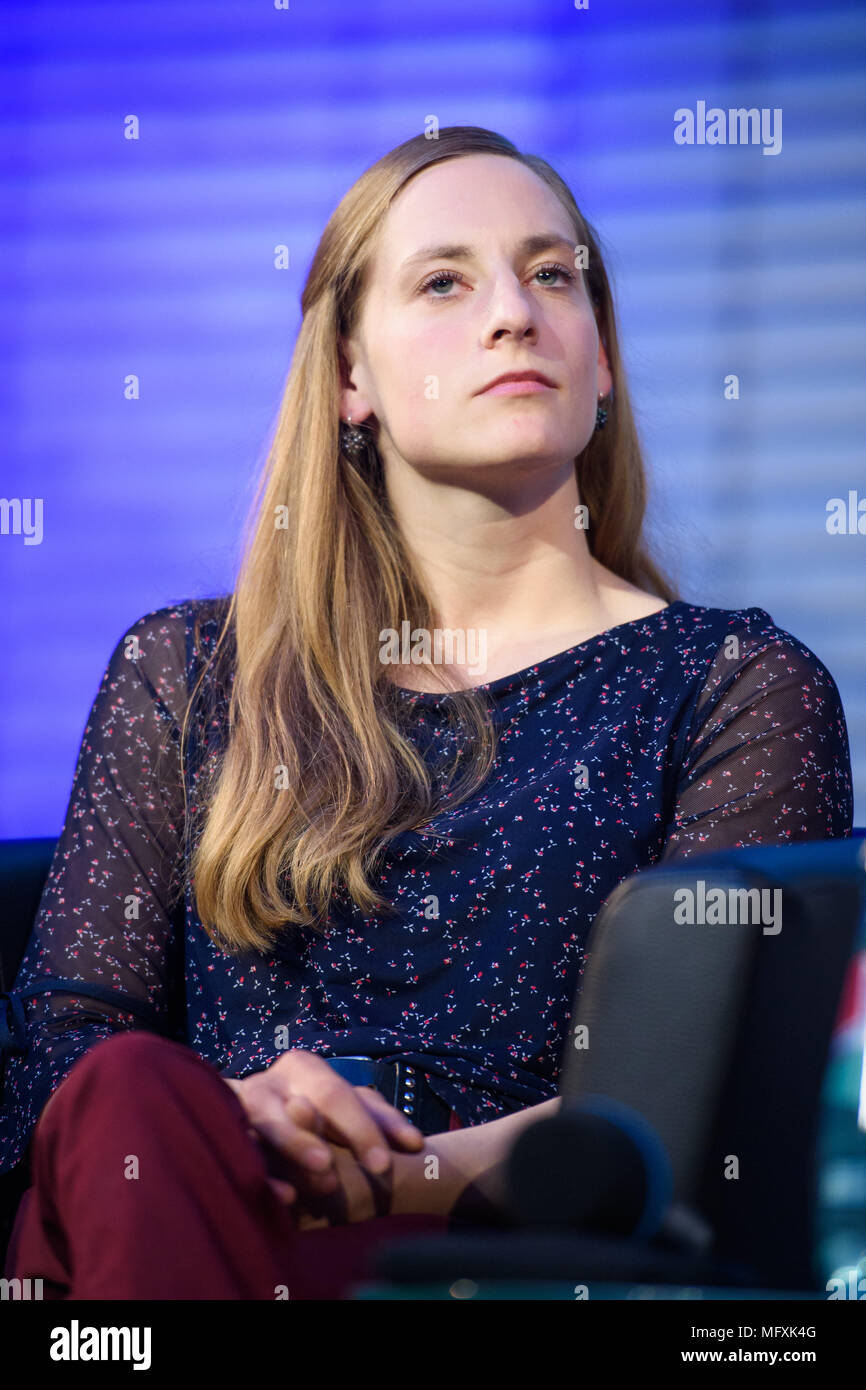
(133, 1051)
(132, 1063)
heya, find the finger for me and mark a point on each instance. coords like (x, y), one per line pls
(316, 1192)
(349, 1121)
(309, 1184)
(275, 1159)
(304, 1113)
(397, 1126)
(279, 1162)
(329, 1207)
(305, 1218)
(309, 1188)
(284, 1191)
(294, 1142)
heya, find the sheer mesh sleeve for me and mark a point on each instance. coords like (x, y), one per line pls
(108, 916)
(767, 759)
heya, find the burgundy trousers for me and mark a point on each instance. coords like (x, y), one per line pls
(147, 1184)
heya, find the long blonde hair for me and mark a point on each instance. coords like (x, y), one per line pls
(318, 772)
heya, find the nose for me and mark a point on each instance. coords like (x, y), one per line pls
(511, 311)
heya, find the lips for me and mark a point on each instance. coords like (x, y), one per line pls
(538, 377)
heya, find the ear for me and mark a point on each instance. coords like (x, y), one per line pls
(353, 401)
(605, 376)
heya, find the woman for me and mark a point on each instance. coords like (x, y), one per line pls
(345, 845)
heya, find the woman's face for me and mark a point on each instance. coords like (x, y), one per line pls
(437, 328)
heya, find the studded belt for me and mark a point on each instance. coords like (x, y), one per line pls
(402, 1084)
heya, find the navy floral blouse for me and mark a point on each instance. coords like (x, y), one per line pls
(688, 731)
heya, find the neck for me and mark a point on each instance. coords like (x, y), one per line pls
(512, 562)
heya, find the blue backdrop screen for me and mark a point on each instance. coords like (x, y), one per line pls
(154, 257)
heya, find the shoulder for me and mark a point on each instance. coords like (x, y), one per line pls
(752, 679)
(764, 727)
(177, 631)
(160, 652)
(727, 643)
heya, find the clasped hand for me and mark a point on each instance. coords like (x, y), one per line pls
(327, 1144)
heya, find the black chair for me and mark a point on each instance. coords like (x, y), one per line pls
(717, 1036)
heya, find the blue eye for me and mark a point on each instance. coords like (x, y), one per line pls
(441, 277)
(444, 277)
(557, 269)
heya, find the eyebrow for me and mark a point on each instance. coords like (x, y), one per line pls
(451, 251)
